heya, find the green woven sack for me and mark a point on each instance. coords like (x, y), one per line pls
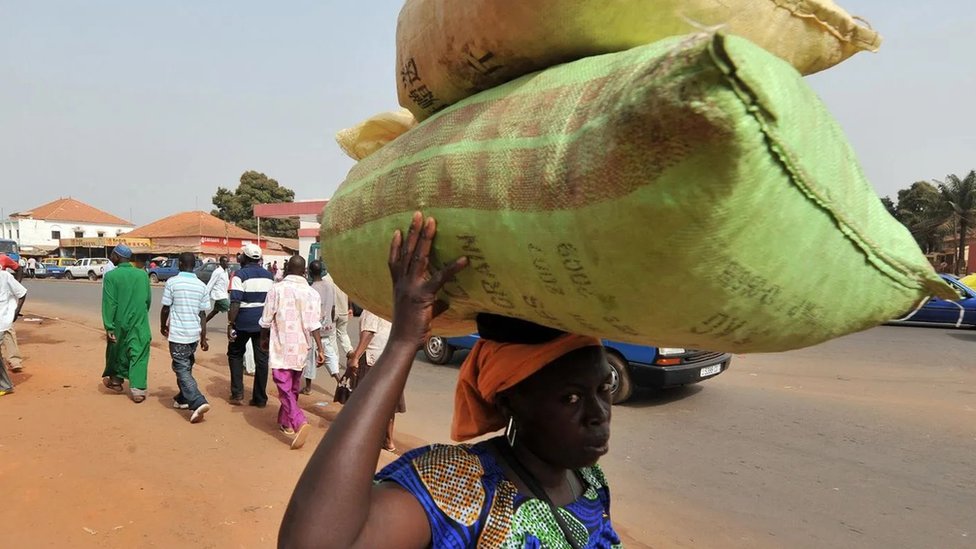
(693, 192)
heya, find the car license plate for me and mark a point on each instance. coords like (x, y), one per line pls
(710, 370)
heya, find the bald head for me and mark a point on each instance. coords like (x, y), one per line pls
(295, 265)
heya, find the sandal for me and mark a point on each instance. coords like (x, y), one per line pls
(107, 381)
(306, 390)
(138, 399)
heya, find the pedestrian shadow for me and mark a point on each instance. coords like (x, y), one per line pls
(18, 378)
(106, 391)
(261, 419)
(166, 397)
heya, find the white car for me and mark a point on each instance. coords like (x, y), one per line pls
(91, 268)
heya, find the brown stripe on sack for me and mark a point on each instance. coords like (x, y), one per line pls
(525, 116)
(648, 137)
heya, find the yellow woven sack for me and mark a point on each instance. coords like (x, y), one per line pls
(450, 49)
(369, 135)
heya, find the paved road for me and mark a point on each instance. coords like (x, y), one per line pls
(867, 441)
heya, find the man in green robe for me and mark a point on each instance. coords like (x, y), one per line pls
(126, 298)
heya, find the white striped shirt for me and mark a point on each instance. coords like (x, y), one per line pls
(186, 296)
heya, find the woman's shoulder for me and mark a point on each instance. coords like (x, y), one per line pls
(452, 482)
(460, 462)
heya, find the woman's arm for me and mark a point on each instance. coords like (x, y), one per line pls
(335, 503)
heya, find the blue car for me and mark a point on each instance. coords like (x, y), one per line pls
(634, 366)
(959, 313)
(167, 270)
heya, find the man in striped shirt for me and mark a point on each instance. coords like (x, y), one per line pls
(248, 291)
(183, 320)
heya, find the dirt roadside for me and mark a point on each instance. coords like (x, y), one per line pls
(83, 467)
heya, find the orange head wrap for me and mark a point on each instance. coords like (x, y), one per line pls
(493, 367)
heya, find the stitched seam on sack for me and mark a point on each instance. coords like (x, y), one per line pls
(859, 34)
(481, 102)
(750, 101)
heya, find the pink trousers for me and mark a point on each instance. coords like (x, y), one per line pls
(289, 383)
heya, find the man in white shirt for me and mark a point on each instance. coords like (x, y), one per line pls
(217, 289)
(183, 322)
(31, 267)
(340, 336)
(12, 297)
(373, 335)
(326, 291)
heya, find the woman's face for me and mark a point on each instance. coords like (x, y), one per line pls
(563, 412)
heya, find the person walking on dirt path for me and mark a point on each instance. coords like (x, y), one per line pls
(126, 299)
(6, 385)
(12, 297)
(291, 326)
(217, 289)
(326, 292)
(374, 332)
(183, 321)
(31, 267)
(340, 336)
(248, 290)
(537, 486)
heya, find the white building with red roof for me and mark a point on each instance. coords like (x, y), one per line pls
(39, 230)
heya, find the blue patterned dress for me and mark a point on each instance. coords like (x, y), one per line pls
(470, 502)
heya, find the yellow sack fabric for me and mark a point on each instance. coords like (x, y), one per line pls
(450, 49)
(369, 135)
(689, 193)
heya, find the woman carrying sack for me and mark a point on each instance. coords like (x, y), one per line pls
(539, 485)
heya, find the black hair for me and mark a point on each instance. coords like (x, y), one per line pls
(187, 260)
(295, 265)
(316, 268)
(503, 329)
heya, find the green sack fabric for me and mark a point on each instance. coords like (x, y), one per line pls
(692, 193)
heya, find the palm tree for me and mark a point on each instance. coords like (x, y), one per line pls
(957, 202)
(920, 210)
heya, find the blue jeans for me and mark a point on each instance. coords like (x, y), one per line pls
(183, 359)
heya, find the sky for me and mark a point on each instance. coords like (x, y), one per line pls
(144, 108)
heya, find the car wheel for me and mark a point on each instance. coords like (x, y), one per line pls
(154, 278)
(69, 276)
(437, 350)
(621, 387)
(92, 276)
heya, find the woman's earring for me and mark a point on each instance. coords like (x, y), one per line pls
(511, 431)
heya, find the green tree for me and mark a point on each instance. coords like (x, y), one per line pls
(890, 206)
(957, 203)
(237, 206)
(920, 211)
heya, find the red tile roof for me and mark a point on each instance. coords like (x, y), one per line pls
(190, 224)
(69, 209)
(286, 243)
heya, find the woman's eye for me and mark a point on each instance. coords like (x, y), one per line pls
(572, 399)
